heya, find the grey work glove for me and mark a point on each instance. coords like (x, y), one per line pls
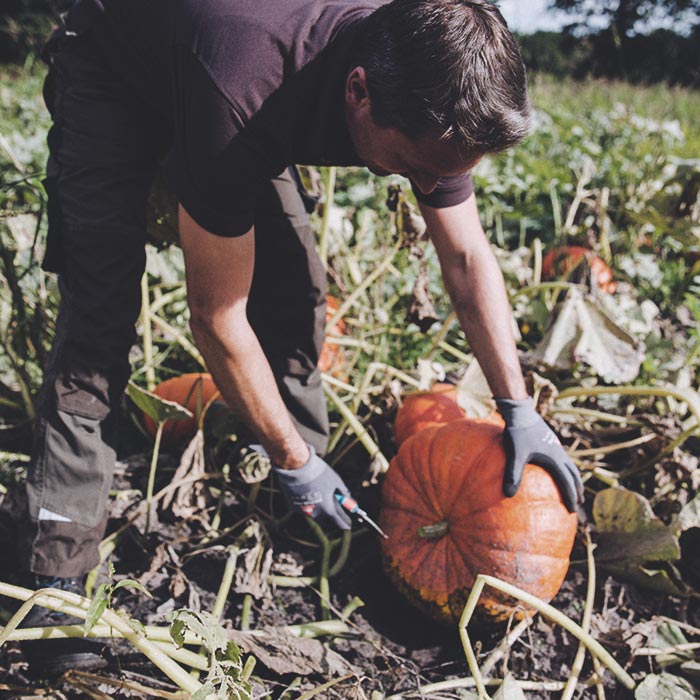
(312, 488)
(529, 439)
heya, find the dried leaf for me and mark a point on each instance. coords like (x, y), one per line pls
(253, 576)
(284, 653)
(421, 310)
(690, 514)
(632, 537)
(189, 501)
(509, 690)
(473, 392)
(22, 229)
(581, 332)
(254, 467)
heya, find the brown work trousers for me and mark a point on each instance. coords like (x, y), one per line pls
(105, 146)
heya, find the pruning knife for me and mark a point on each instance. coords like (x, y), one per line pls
(350, 504)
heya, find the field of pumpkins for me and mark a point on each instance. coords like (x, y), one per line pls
(209, 588)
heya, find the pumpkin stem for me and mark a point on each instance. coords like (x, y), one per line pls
(434, 531)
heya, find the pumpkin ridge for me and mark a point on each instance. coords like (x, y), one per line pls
(500, 548)
(398, 464)
(448, 507)
(413, 479)
(429, 485)
(458, 491)
(466, 559)
(418, 514)
(414, 563)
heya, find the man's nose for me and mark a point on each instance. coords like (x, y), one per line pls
(425, 183)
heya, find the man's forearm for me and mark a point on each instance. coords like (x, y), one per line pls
(236, 360)
(484, 313)
(475, 284)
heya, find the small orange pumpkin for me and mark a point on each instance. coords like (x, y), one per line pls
(561, 261)
(425, 409)
(193, 391)
(448, 521)
(331, 360)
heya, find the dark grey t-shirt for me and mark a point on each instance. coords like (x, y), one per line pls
(251, 86)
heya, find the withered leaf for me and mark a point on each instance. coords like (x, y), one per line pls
(284, 653)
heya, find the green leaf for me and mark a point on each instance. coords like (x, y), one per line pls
(155, 407)
(664, 687)
(131, 583)
(204, 692)
(666, 636)
(233, 653)
(98, 605)
(177, 632)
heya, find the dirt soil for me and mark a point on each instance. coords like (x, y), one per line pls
(389, 646)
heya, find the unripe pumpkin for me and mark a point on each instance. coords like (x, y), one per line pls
(194, 391)
(447, 520)
(426, 409)
(331, 360)
(559, 262)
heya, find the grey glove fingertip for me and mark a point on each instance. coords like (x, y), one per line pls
(511, 483)
(578, 482)
(342, 520)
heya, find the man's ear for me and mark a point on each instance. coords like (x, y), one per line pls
(356, 92)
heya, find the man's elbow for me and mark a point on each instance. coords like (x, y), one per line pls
(209, 323)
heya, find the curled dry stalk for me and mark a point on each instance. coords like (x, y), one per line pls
(682, 396)
(303, 581)
(593, 646)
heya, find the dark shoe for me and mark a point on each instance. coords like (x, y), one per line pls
(56, 656)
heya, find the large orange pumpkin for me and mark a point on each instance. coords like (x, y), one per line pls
(561, 261)
(193, 391)
(331, 360)
(448, 521)
(426, 409)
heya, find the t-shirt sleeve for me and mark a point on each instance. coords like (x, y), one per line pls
(217, 165)
(449, 191)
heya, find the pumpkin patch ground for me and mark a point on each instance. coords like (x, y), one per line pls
(388, 645)
(197, 531)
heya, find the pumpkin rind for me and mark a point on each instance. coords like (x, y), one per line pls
(431, 408)
(331, 359)
(187, 390)
(454, 473)
(426, 409)
(560, 261)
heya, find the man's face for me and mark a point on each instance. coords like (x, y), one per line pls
(387, 151)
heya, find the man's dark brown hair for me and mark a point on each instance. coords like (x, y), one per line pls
(449, 67)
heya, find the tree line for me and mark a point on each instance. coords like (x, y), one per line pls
(659, 56)
(604, 38)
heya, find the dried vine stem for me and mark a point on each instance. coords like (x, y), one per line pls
(593, 646)
(76, 605)
(577, 666)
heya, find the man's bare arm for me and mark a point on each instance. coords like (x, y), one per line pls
(219, 273)
(475, 284)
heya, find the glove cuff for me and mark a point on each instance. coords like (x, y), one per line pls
(313, 468)
(517, 413)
